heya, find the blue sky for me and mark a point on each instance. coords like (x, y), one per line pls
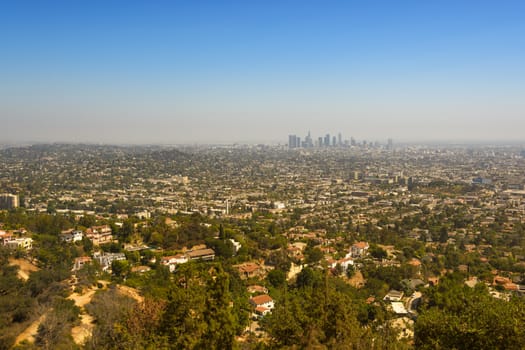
(254, 71)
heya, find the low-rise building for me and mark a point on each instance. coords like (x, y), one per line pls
(99, 234)
(80, 262)
(172, 261)
(201, 254)
(105, 259)
(71, 236)
(25, 243)
(263, 304)
(393, 295)
(359, 249)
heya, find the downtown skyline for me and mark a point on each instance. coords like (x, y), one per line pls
(226, 72)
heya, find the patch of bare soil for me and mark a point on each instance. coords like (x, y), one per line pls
(131, 292)
(25, 267)
(357, 280)
(30, 332)
(83, 331)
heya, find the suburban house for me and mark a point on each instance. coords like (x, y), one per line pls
(359, 249)
(399, 308)
(257, 289)
(105, 259)
(71, 236)
(249, 270)
(99, 234)
(5, 237)
(173, 260)
(25, 243)
(345, 263)
(201, 254)
(393, 295)
(80, 262)
(236, 245)
(263, 304)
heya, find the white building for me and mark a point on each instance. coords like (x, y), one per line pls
(71, 236)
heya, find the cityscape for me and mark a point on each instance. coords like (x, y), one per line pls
(268, 175)
(295, 141)
(383, 230)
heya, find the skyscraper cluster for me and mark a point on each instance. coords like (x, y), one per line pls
(328, 140)
(295, 141)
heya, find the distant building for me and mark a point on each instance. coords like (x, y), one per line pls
(99, 234)
(263, 304)
(172, 261)
(19, 243)
(236, 245)
(294, 141)
(327, 140)
(105, 259)
(359, 249)
(279, 205)
(71, 236)
(257, 289)
(201, 254)
(80, 262)
(481, 181)
(393, 295)
(9, 201)
(399, 308)
(249, 270)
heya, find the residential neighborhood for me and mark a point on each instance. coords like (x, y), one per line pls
(375, 232)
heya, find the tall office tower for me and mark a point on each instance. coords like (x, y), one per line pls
(327, 140)
(308, 140)
(9, 201)
(320, 142)
(352, 141)
(298, 142)
(334, 141)
(292, 141)
(390, 144)
(339, 139)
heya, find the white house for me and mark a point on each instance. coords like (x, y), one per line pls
(236, 245)
(345, 263)
(173, 260)
(71, 236)
(359, 249)
(105, 259)
(263, 300)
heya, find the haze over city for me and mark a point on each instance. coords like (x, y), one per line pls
(225, 72)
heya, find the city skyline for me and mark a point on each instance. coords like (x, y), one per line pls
(225, 72)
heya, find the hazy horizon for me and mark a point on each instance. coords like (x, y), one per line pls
(115, 72)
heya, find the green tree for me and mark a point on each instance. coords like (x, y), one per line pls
(220, 330)
(277, 278)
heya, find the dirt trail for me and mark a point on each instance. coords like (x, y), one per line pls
(30, 332)
(83, 331)
(25, 267)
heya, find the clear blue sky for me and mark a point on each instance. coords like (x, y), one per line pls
(235, 71)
